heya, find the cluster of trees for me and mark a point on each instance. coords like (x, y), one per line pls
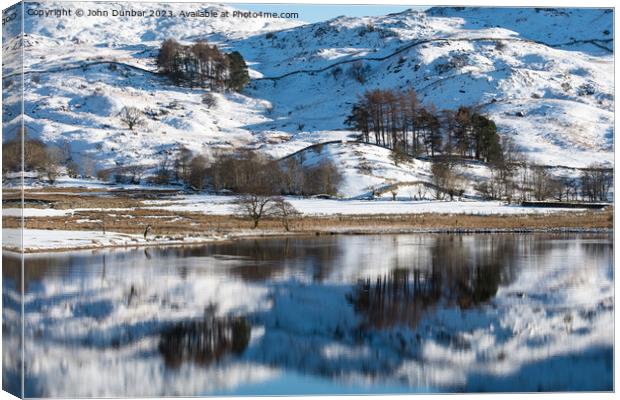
(514, 178)
(596, 183)
(446, 181)
(396, 119)
(259, 182)
(249, 172)
(473, 135)
(46, 160)
(525, 182)
(202, 65)
(130, 174)
(592, 184)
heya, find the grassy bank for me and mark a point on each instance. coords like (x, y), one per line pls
(165, 222)
(125, 211)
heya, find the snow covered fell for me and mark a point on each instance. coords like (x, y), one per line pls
(545, 76)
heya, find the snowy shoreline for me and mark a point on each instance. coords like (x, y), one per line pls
(68, 241)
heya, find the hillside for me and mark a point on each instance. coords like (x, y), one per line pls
(544, 76)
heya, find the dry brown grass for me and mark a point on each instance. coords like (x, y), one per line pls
(173, 223)
(66, 198)
(122, 212)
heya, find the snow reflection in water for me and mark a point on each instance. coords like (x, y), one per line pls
(382, 314)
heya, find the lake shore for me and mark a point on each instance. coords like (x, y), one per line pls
(66, 219)
(46, 234)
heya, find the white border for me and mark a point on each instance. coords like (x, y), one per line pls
(488, 3)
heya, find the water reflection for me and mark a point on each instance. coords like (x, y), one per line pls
(398, 298)
(204, 341)
(11, 323)
(394, 308)
(456, 274)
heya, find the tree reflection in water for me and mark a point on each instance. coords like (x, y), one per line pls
(204, 341)
(381, 308)
(456, 275)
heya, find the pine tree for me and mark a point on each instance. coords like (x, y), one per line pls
(486, 139)
(238, 76)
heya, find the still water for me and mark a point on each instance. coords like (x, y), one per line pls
(317, 315)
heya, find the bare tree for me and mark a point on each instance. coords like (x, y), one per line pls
(524, 181)
(284, 210)
(11, 156)
(104, 174)
(209, 100)
(572, 189)
(181, 163)
(323, 178)
(73, 169)
(489, 189)
(421, 190)
(506, 168)
(51, 164)
(253, 206)
(596, 181)
(167, 58)
(35, 155)
(293, 175)
(88, 166)
(198, 172)
(541, 183)
(131, 116)
(163, 174)
(398, 155)
(257, 185)
(67, 152)
(129, 174)
(444, 179)
(136, 172)
(359, 71)
(559, 188)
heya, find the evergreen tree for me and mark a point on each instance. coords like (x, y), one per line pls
(486, 139)
(396, 120)
(202, 65)
(238, 76)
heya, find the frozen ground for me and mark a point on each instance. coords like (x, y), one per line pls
(222, 205)
(36, 240)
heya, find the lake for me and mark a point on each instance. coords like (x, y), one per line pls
(317, 315)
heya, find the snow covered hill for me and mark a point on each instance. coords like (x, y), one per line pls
(544, 75)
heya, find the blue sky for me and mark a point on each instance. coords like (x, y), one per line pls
(321, 12)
